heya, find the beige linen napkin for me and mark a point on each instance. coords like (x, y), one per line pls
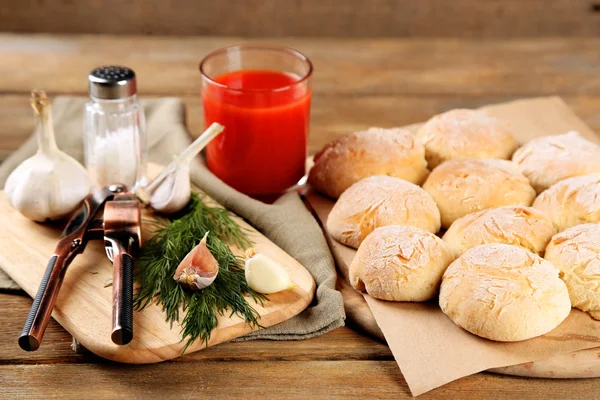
(286, 222)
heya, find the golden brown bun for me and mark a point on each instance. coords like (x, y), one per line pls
(460, 187)
(400, 263)
(571, 201)
(576, 252)
(549, 159)
(464, 133)
(504, 293)
(377, 151)
(379, 201)
(520, 226)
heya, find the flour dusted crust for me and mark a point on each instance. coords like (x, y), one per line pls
(571, 201)
(576, 252)
(379, 201)
(377, 151)
(520, 226)
(549, 159)
(400, 263)
(465, 133)
(504, 293)
(460, 187)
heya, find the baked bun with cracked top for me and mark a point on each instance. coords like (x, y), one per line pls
(576, 253)
(400, 263)
(460, 187)
(376, 151)
(379, 201)
(504, 293)
(549, 159)
(463, 133)
(572, 201)
(520, 226)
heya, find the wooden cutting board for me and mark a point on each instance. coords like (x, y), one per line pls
(558, 118)
(84, 305)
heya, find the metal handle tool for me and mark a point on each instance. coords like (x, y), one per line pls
(120, 228)
(122, 237)
(72, 242)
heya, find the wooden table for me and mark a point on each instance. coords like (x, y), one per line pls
(357, 84)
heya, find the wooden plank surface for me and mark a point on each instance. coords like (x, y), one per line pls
(351, 67)
(341, 364)
(316, 18)
(331, 116)
(358, 83)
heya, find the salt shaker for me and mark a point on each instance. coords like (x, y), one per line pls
(114, 129)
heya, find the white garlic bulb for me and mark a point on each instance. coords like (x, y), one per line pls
(50, 184)
(169, 192)
(264, 275)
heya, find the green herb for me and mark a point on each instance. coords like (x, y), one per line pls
(171, 242)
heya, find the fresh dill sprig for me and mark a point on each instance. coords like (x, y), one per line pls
(171, 242)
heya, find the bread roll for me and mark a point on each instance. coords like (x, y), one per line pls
(377, 151)
(460, 187)
(571, 201)
(549, 159)
(463, 133)
(576, 252)
(379, 201)
(400, 263)
(504, 293)
(520, 226)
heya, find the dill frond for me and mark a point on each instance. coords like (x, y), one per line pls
(171, 242)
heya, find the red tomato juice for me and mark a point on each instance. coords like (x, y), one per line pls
(262, 150)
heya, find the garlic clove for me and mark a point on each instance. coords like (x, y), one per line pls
(198, 269)
(50, 184)
(173, 193)
(171, 188)
(266, 276)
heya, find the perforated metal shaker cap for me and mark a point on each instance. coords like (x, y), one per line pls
(112, 82)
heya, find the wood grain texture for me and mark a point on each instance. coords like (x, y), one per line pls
(341, 344)
(352, 67)
(332, 116)
(84, 304)
(265, 380)
(317, 18)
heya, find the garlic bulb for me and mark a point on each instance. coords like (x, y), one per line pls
(170, 191)
(50, 184)
(264, 275)
(198, 269)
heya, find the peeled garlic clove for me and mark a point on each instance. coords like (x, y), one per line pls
(50, 184)
(264, 275)
(198, 269)
(173, 193)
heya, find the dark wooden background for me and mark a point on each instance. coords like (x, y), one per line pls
(307, 18)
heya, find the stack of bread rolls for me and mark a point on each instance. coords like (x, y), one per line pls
(509, 265)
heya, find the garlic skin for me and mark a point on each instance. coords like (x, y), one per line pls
(266, 276)
(198, 269)
(173, 193)
(170, 191)
(50, 184)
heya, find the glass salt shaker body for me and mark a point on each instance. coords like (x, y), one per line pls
(114, 129)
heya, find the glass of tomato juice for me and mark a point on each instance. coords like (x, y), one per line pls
(261, 94)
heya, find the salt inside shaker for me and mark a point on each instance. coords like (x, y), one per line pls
(114, 129)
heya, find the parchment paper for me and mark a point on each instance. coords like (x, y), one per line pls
(428, 347)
